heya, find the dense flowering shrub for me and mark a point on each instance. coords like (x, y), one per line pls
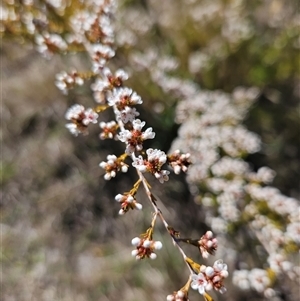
(234, 197)
(211, 145)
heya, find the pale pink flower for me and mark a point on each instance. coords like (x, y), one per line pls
(199, 283)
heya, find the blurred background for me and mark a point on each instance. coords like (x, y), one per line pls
(61, 236)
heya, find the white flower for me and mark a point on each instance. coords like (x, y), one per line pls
(120, 73)
(103, 50)
(101, 53)
(156, 155)
(74, 112)
(80, 118)
(207, 244)
(139, 164)
(90, 116)
(178, 296)
(266, 174)
(278, 263)
(199, 283)
(100, 85)
(156, 158)
(157, 245)
(135, 241)
(293, 231)
(220, 267)
(209, 272)
(122, 97)
(162, 176)
(128, 115)
(82, 21)
(109, 82)
(138, 124)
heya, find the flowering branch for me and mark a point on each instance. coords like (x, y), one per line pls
(236, 199)
(110, 92)
(90, 30)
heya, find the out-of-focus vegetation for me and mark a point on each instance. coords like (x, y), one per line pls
(61, 236)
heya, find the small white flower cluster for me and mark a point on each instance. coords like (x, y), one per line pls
(109, 130)
(100, 55)
(112, 166)
(207, 244)
(210, 278)
(82, 22)
(48, 44)
(127, 201)
(66, 81)
(134, 138)
(179, 162)
(145, 248)
(93, 25)
(103, 86)
(256, 279)
(80, 118)
(124, 97)
(155, 159)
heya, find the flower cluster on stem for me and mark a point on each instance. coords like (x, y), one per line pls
(90, 30)
(109, 92)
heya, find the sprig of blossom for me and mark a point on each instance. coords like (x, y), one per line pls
(124, 97)
(92, 32)
(109, 92)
